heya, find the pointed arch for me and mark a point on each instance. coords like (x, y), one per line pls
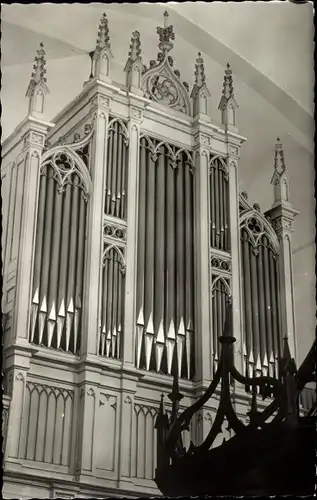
(224, 282)
(265, 228)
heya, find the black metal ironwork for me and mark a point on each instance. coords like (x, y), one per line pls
(276, 435)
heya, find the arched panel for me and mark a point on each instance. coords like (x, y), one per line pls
(220, 291)
(112, 301)
(116, 170)
(165, 277)
(60, 250)
(219, 204)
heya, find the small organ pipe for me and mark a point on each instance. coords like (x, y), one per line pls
(104, 329)
(114, 303)
(254, 303)
(119, 310)
(221, 201)
(119, 177)
(215, 333)
(110, 298)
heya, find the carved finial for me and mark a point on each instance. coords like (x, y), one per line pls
(134, 66)
(166, 34)
(280, 178)
(103, 34)
(279, 162)
(227, 103)
(200, 77)
(200, 93)
(37, 87)
(102, 55)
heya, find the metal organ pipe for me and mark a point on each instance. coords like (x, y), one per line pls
(180, 263)
(254, 303)
(217, 216)
(170, 245)
(268, 300)
(262, 310)
(212, 206)
(221, 201)
(189, 274)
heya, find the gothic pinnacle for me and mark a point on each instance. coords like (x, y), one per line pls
(200, 77)
(166, 34)
(227, 90)
(279, 162)
(39, 71)
(103, 34)
(135, 46)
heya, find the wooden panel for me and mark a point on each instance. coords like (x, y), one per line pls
(106, 432)
(16, 228)
(46, 424)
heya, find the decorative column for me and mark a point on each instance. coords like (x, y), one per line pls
(33, 130)
(100, 105)
(228, 106)
(203, 350)
(129, 375)
(282, 216)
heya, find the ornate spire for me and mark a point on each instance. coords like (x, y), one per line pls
(227, 104)
(134, 66)
(37, 87)
(200, 92)
(166, 34)
(200, 78)
(102, 55)
(103, 34)
(280, 179)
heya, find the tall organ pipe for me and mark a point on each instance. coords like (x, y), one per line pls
(212, 205)
(217, 235)
(61, 297)
(109, 172)
(141, 233)
(149, 249)
(254, 303)
(268, 300)
(180, 263)
(46, 249)
(274, 308)
(114, 304)
(225, 213)
(160, 244)
(123, 180)
(70, 303)
(114, 168)
(170, 245)
(221, 202)
(215, 323)
(247, 290)
(119, 177)
(262, 310)
(80, 269)
(54, 265)
(38, 249)
(110, 297)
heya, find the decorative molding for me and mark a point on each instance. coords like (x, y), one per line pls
(128, 400)
(100, 101)
(175, 156)
(34, 139)
(225, 281)
(136, 114)
(114, 232)
(233, 150)
(220, 263)
(282, 224)
(120, 255)
(256, 226)
(203, 139)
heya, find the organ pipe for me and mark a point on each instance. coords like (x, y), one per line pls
(254, 302)
(262, 310)
(221, 201)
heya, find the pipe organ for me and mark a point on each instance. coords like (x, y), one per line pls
(128, 243)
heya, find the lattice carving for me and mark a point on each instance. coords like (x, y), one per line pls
(256, 226)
